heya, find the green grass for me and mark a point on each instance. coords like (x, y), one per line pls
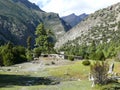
(68, 85)
(77, 71)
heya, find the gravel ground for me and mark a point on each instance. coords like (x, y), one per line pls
(37, 65)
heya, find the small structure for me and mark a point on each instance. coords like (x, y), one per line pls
(62, 55)
(57, 56)
(78, 57)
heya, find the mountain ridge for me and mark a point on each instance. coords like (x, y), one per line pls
(73, 19)
(19, 18)
(100, 26)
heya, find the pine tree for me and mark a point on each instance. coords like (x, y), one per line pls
(43, 39)
(29, 42)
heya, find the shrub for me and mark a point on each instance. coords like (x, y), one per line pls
(19, 54)
(71, 58)
(117, 58)
(86, 62)
(23, 58)
(21, 49)
(12, 54)
(29, 55)
(8, 59)
(1, 60)
(37, 52)
(97, 56)
(99, 72)
(113, 86)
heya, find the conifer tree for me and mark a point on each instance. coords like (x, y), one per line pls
(29, 42)
(43, 39)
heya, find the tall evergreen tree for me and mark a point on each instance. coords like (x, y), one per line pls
(43, 39)
(29, 42)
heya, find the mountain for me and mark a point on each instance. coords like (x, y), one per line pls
(19, 18)
(73, 19)
(101, 26)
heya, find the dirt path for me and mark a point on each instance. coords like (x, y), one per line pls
(37, 65)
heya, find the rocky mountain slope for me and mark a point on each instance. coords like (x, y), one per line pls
(19, 18)
(101, 26)
(73, 19)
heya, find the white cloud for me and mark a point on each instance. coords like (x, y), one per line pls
(65, 7)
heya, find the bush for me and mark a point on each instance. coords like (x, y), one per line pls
(117, 58)
(99, 72)
(1, 60)
(29, 55)
(8, 59)
(20, 49)
(71, 58)
(19, 54)
(113, 86)
(37, 52)
(23, 58)
(86, 62)
(12, 54)
(6, 54)
(99, 55)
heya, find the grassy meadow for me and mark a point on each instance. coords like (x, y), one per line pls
(72, 76)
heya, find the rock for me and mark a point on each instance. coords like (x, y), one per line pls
(20, 66)
(52, 62)
(8, 69)
(55, 82)
(79, 79)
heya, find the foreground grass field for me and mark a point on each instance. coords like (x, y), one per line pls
(68, 85)
(73, 76)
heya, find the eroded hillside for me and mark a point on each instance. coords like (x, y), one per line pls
(101, 26)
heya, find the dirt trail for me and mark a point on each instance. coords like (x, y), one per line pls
(37, 65)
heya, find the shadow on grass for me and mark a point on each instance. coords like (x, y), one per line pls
(112, 86)
(21, 80)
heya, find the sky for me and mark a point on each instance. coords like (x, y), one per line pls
(66, 7)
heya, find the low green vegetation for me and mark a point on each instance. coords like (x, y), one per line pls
(11, 54)
(71, 58)
(86, 62)
(79, 72)
(93, 51)
(73, 71)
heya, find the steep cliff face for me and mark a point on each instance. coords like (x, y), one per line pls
(19, 18)
(101, 26)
